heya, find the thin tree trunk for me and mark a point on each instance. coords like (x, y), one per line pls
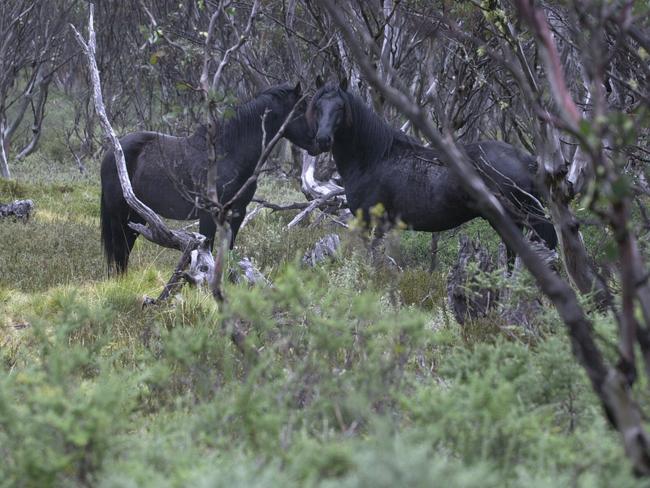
(433, 251)
(4, 163)
(39, 116)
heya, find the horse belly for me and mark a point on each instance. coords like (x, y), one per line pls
(164, 197)
(434, 215)
(430, 201)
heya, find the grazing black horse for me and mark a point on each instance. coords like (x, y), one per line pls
(379, 164)
(167, 171)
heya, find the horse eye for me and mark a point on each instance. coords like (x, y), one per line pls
(203, 269)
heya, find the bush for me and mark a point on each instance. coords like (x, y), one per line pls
(354, 375)
(59, 413)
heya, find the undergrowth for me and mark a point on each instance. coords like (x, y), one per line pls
(360, 378)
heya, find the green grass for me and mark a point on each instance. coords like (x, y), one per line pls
(361, 378)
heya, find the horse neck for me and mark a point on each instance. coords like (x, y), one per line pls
(365, 143)
(242, 135)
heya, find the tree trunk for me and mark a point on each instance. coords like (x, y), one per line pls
(4, 163)
(467, 298)
(570, 242)
(39, 116)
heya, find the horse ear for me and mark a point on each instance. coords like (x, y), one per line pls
(344, 84)
(297, 89)
(319, 82)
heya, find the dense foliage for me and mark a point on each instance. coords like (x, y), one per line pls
(362, 378)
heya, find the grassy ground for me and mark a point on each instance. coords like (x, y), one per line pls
(362, 378)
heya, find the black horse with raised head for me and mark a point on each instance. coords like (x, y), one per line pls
(167, 171)
(380, 164)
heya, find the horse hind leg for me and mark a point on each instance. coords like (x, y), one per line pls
(544, 230)
(207, 228)
(126, 238)
(235, 224)
(541, 231)
(511, 255)
(115, 237)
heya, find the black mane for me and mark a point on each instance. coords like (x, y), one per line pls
(246, 122)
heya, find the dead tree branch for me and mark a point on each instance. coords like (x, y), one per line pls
(155, 231)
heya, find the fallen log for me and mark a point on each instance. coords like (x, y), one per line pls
(314, 204)
(18, 210)
(252, 275)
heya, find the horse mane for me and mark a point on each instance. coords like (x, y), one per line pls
(246, 122)
(381, 139)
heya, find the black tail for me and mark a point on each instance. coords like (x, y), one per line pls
(117, 237)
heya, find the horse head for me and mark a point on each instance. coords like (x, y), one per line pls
(297, 131)
(328, 111)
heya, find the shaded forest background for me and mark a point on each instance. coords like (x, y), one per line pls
(362, 375)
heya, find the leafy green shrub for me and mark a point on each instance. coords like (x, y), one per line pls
(354, 373)
(522, 411)
(59, 413)
(422, 288)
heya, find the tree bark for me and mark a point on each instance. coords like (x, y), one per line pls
(4, 163)
(39, 116)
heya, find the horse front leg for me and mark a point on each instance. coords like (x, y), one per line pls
(379, 226)
(207, 227)
(235, 223)
(511, 255)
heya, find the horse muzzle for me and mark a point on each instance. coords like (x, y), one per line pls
(324, 143)
(314, 150)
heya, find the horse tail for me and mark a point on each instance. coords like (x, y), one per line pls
(107, 234)
(117, 238)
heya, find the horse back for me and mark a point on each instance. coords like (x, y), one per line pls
(503, 166)
(164, 170)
